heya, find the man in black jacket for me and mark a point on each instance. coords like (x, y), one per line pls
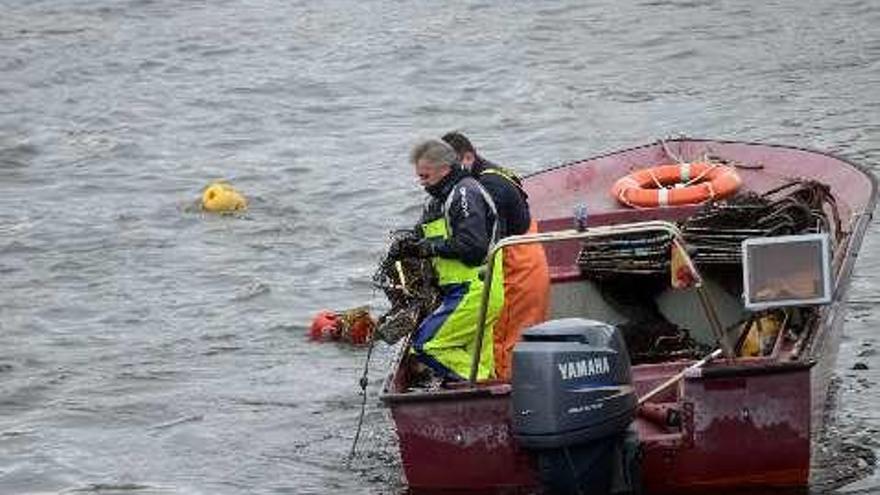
(503, 185)
(458, 225)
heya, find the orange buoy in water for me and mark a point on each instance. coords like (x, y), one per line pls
(324, 326)
(220, 197)
(353, 326)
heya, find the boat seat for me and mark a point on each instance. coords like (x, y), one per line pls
(682, 307)
(581, 298)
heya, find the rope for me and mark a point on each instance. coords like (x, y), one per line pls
(655, 179)
(699, 177)
(363, 384)
(669, 152)
(679, 160)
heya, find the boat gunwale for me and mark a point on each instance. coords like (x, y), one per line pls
(684, 139)
(721, 368)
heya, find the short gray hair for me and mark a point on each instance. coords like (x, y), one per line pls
(434, 151)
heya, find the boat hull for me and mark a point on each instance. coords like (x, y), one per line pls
(462, 444)
(744, 423)
(740, 427)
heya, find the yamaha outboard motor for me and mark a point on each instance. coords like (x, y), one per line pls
(573, 405)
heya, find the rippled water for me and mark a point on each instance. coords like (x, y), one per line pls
(147, 348)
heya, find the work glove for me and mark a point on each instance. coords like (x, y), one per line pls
(414, 248)
(399, 245)
(422, 248)
(426, 248)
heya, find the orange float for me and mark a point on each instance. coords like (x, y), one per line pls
(324, 326)
(674, 185)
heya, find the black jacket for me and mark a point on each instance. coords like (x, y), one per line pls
(510, 198)
(470, 214)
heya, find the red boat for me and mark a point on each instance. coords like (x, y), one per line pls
(732, 420)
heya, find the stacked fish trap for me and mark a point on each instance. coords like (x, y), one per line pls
(631, 254)
(714, 235)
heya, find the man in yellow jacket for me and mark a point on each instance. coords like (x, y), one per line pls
(458, 226)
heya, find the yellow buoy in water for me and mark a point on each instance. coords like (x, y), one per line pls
(221, 197)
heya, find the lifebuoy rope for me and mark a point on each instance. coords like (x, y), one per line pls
(711, 190)
(669, 152)
(655, 179)
(699, 177)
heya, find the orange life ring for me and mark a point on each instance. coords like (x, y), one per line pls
(673, 185)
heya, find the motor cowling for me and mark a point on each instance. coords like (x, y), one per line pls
(573, 405)
(572, 382)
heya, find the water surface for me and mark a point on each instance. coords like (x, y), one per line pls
(147, 348)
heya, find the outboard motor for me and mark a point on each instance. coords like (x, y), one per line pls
(573, 405)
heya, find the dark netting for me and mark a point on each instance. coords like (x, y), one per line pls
(411, 287)
(714, 235)
(716, 232)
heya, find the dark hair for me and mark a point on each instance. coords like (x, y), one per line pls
(459, 142)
